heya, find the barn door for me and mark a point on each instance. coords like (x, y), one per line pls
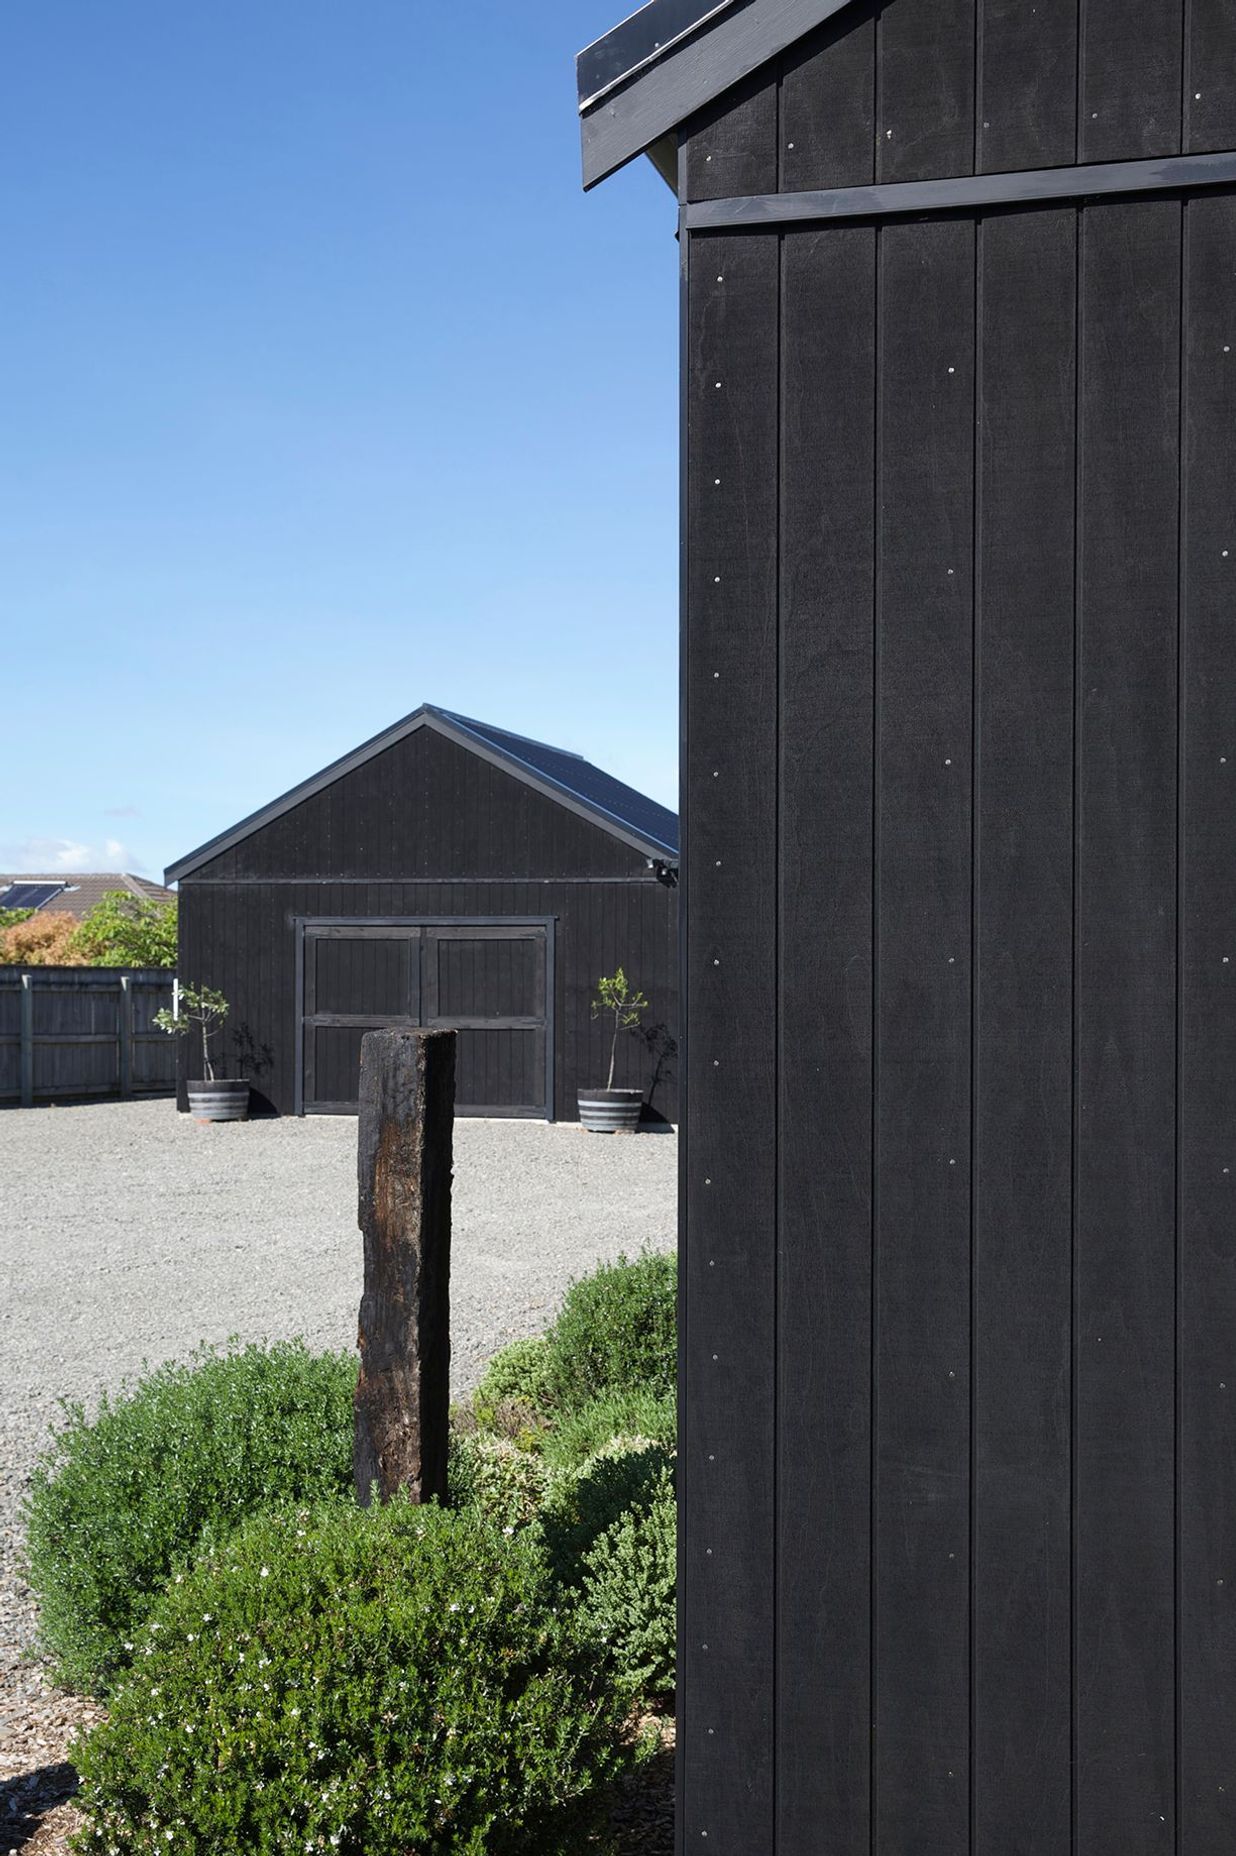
(356, 979)
(488, 980)
(489, 983)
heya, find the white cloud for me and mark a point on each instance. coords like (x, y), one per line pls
(65, 855)
(121, 812)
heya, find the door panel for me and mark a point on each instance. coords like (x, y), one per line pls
(333, 1053)
(367, 975)
(480, 976)
(499, 1071)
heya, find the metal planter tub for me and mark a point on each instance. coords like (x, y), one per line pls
(226, 1099)
(610, 1111)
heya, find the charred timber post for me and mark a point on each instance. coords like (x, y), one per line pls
(407, 1107)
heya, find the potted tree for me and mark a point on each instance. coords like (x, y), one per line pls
(610, 1110)
(211, 1097)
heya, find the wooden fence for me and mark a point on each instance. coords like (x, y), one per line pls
(71, 1032)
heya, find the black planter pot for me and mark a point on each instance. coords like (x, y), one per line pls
(224, 1099)
(610, 1111)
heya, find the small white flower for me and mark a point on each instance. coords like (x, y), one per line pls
(265, 1574)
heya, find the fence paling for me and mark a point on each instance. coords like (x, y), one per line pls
(51, 1044)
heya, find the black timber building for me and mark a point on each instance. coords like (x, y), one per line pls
(446, 873)
(958, 1442)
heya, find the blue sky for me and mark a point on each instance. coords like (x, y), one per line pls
(324, 391)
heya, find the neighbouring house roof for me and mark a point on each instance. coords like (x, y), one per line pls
(74, 892)
(561, 775)
(670, 59)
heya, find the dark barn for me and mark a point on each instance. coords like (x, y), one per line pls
(444, 874)
(958, 1452)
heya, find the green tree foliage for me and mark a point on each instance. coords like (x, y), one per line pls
(622, 1006)
(128, 931)
(200, 1012)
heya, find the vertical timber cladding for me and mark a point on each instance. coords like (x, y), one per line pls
(958, 1480)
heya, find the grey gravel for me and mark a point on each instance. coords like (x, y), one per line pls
(130, 1234)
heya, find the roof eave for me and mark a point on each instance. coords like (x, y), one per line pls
(632, 113)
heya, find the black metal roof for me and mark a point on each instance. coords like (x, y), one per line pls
(638, 41)
(608, 800)
(568, 778)
(672, 58)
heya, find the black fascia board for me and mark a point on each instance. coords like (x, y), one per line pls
(686, 72)
(427, 716)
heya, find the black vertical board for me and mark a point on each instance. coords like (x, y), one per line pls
(1027, 84)
(726, 1460)
(922, 1024)
(1210, 76)
(827, 121)
(925, 90)
(1207, 1205)
(1125, 1026)
(1131, 72)
(824, 1080)
(731, 148)
(1023, 923)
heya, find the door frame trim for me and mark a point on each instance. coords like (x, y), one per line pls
(348, 922)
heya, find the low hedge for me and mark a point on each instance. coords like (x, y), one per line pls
(388, 1682)
(628, 1592)
(120, 1501)
(579, 1435)
(617, 1332)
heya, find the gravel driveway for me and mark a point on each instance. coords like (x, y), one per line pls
(129, 1233)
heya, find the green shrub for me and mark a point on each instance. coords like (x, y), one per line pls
(506, 1484)
(121, 1500)
(581, 1504)
(617, 1332)
(628, 1597)
(512, 1400)
(581, 1434)
(390, 1682)
(520, 1372)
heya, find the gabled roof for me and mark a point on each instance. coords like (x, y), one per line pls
(672, 58)
(565, 777)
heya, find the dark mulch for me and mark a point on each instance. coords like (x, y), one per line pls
(643, 1814)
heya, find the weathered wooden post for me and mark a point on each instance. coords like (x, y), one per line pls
(407, 1107)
